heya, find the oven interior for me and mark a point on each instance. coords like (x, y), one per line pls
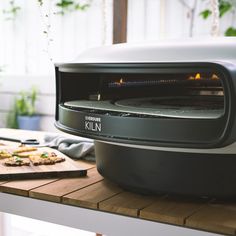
(196, 94)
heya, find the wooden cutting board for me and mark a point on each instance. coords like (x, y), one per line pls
(69, 168)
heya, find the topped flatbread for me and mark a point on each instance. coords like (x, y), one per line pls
(5, 154)
(17, 161)
(24, 155)
(46, 158)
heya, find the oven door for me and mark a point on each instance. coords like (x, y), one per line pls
(183, 104)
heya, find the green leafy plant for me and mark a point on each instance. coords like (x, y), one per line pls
(66, 6)
(40, 2)
(24, 105)
(12, 118)
(225, 7)
(12, 10)
(205, 14)
(230, 31)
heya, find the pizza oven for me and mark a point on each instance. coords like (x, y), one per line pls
(162, 115)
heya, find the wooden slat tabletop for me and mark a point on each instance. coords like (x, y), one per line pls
(220, 218)
(22, 187)
(172, 210)
(126, 203)
(56, 190)
(96, 193)
(92, 195)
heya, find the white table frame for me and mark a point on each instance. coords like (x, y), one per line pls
(90, 220)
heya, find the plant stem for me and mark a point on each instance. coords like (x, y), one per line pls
(185, 5)
(192, 18)
(233, 17)
(192, 11)
(215, 31)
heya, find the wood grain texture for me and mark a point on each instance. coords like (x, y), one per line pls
(92, 195)
(219, 218)
(126, 203)
(22, 187)
(94, 192)
(68, 168)
(120, 10)
(84, 164)
(55, 191)
(171, 210)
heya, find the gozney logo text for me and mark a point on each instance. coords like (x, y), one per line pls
(93, 123)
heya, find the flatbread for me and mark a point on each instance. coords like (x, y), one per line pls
(46, 158)
(25, 149)
(26, 154)
(5, 154)
(17, 161)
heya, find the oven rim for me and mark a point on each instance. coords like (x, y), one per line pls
(227, 70)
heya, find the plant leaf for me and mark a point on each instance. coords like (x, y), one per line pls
(67, 6)
(205, 14)
(81, 7)
(224, 7)
(25, 104)
(231, 31)
(64, 3)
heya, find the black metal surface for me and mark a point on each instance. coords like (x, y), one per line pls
(85, 79)
(191, 107)
(152, 171)
(141, 130)
(143, 169)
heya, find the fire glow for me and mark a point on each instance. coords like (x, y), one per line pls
(197, 76)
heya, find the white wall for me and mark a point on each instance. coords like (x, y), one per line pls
(28, 56)
(45, 105)
(24, 45)
(150, 20)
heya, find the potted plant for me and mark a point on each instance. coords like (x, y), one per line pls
(23, 115)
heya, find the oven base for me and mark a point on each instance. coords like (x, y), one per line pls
(178, 173)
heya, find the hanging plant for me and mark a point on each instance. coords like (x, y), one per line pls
(231, 31)
(40, 2)
(225, 7)
(191, 10)
(66, 6)
(12, 10)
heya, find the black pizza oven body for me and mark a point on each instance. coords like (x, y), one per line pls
(159, 127)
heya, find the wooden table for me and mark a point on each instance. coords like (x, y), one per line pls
(94, 204)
